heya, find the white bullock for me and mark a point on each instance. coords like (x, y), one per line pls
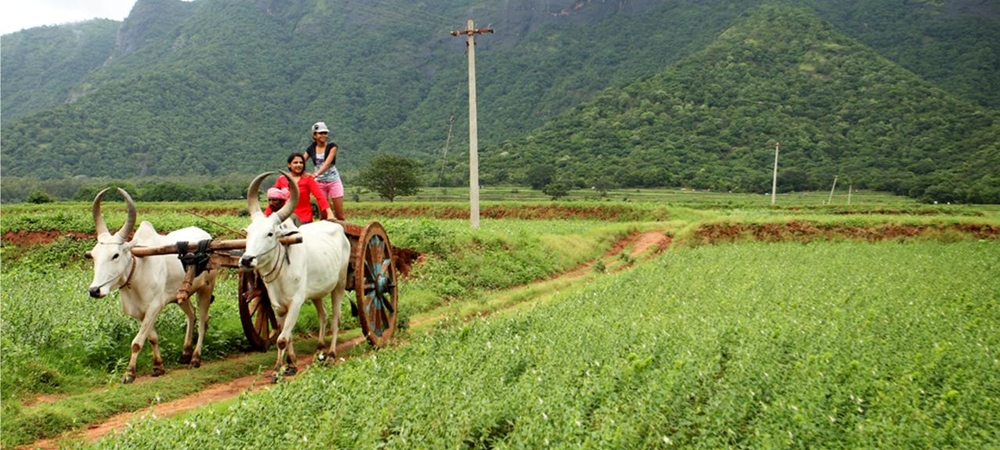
(292, 273)
(149, 283)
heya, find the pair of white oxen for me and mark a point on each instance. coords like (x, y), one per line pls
(291, 273)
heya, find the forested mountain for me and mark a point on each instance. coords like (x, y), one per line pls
(779, 74)
(41, 67)
(214, 87)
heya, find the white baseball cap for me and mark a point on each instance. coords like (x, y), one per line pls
(320, 127)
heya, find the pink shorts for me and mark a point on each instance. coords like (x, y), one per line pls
(332, 189)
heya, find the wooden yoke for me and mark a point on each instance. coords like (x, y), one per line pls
(216, 259)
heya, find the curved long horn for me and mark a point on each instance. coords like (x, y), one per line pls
(293, 199)
(253, 203)
(130, 220)
(99, 224)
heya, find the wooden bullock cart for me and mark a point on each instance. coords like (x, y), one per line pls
(371, 275)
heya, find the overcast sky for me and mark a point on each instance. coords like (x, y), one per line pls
(16, 15)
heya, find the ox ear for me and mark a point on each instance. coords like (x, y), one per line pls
(127, 247)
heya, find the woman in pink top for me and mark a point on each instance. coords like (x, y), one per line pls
(307, 186)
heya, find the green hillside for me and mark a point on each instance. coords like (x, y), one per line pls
(777, 75)
(42, 67)
(228, 87)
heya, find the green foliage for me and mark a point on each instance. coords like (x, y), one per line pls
(778, 74)
(115, 99)
(722, 349)
(46, 66)
(556, 190)
(459, 263)
(391, 176)
(39, 196)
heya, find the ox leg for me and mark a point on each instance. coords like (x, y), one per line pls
(337, 297)
(204, 301)
(188, 331)
(286, 350)
(139, 340)
(154, 343)
(321, 315)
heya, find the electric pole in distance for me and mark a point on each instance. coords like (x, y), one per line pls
(470, 46)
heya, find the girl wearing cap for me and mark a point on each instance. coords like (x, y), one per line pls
(324, 157)
(307, 185)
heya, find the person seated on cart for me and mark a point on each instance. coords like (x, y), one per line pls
(276, 198)
(307, 188)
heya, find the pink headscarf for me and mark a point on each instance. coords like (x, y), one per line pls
(281, 194)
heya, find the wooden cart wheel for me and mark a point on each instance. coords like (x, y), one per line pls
(259, 323)
(375, 285)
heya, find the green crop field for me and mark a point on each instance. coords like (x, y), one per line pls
(826, 345)
(804, 324)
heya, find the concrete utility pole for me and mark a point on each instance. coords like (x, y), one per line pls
(470, 46)
(830, 200)
(774, 181)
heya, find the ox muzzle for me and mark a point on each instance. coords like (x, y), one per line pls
(248, 262)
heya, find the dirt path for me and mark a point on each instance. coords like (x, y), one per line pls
(647, 244)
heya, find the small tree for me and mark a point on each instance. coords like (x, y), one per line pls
(556, 190)
(39, 196)
(540, 176)
(391, 176)
(603, 185)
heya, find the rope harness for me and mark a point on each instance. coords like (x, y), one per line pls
(197, 258)
(195, 262)
(276, 268)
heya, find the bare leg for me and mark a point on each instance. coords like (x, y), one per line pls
(338, 207)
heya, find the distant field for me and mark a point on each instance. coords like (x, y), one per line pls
(681, 196)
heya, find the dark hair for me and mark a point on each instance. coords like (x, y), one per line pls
(293, 155)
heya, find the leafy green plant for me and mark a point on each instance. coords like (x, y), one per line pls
(832, 345)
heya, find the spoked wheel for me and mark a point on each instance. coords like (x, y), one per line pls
(375, 285)
(259, 323)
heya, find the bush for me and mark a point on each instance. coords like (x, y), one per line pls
(39, 196)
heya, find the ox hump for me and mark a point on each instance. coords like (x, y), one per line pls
(145, 232)
(190, 234)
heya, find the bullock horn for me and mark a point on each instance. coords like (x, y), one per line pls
(99, 224)
(102, 227)
(253, 203)
(293, 199)
(130, 220)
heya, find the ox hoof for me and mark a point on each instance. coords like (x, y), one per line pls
(185, 359)
(196, 363)
(289, 371)
(327, 358)
(128, 379)
(158, 371)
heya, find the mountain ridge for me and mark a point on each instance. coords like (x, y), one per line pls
(231, 87)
